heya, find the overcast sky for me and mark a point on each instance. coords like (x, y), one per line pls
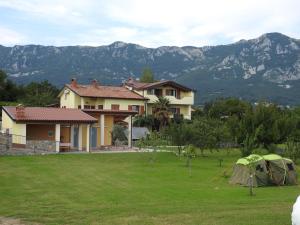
(150, 23)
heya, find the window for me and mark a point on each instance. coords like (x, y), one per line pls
(174, 110)
(171, 92)
(115, 107)
(79, 107)
(50, 133)
(87, 106)
(290, 166)
(259, 168)
(158, 92)
(100, 106)
(150, 91)
(92, 107)
(135, 108)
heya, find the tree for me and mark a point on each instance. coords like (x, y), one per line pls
(292, 149)
(40, 94)
(203, 135)
(8, 90)
(144, 121)
(161, 111)
(147, 76)
(251, 167)
(224, 108)
(190, 153)
(180, 135)
(118, 134)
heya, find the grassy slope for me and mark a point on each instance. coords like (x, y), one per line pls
(127, 189)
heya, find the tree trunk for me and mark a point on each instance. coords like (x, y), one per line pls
(251, 185)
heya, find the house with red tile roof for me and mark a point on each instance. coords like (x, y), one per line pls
(181, 97)
(84, 121)
(48, 127)
(110, 105)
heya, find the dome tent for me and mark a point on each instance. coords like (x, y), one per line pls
(281, 170)
(242, 170)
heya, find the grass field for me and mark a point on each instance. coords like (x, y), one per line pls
(128, 189)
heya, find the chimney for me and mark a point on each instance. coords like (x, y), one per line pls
(130, 80)
(95, 83)
(20, 111)
(74, 83)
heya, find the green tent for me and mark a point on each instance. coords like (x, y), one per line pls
(242, 169)
(281, 170)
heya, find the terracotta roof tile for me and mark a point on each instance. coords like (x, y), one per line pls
(49, 114)
(104, 92)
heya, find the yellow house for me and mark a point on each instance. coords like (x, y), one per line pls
(84, 120)
(108, 104)
(181, 98)
(43, 128)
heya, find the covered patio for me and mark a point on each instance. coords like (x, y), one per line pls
(47, 128)
(101, 131)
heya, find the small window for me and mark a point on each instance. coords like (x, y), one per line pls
(150, 91)
(50, 133)
(79, 107)
(259, 168)
(171, 92)
(290, 166)
(115, 107)
(100, 106)
(158, 92)
(174, 110)
(135, 108)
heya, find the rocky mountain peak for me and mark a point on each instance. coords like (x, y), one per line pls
(273, 59)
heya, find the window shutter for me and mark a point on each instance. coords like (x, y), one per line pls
(178, 93)
(115, 107)
(129, 107)
(142, 109)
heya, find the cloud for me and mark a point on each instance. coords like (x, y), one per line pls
(57, 11)
(155, 23)
(10, 37)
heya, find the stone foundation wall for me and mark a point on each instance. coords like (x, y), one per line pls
(31, 147)
(41, 146)
(5, 143)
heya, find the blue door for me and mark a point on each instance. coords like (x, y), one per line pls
(75, 137)
(93, 137)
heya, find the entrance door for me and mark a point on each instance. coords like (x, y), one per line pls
(75, 137)
(93, 137)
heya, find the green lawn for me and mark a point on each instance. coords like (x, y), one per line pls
(128, 189)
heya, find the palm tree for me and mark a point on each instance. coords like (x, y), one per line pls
(161, 111)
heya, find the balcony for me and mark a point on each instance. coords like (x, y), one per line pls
(184, 99)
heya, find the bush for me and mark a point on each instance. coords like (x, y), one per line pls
(118, 134)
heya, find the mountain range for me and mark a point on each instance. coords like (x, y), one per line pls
(264, 68)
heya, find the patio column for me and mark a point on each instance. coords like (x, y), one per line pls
(130, 132)
(72, 135)
(88, 128)
(57, 137)
(102, 121)
(82, 102)
(80, 137)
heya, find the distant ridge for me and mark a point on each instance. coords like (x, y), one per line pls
(264, 68)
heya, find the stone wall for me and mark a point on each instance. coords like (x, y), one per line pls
(31, 147)
(5, 143)
(41, 146)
